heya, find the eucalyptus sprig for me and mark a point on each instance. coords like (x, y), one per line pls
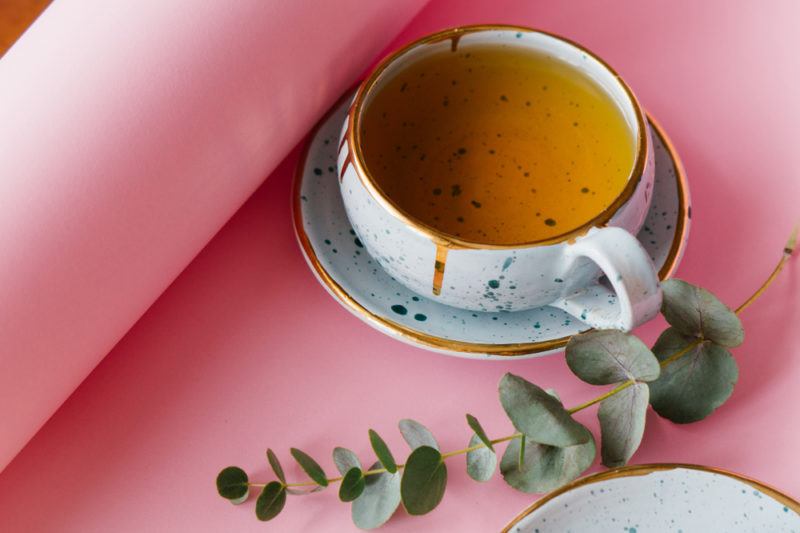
(688, 374)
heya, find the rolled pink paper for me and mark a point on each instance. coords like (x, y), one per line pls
(130, 131)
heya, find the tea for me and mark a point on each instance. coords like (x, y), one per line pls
(497, 144)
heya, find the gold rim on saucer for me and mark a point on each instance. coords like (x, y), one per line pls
(451, 345)
(643, 470)
(447, 240)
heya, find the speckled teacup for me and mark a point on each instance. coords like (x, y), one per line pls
(564, 271)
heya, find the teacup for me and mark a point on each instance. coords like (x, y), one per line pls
(564, 270)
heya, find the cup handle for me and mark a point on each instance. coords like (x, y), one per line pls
(631, 273)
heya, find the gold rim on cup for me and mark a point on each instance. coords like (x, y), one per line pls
(353, 137)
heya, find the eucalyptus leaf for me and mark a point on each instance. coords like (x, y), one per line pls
(352, 485)
(545, 467)
(345, 459)
(239, 501)
(696, 312)
(232, 484)
(416, 435)
(622, 420)
(693, 386)
(382, 452)
(276, 465)
(379, 500)
(478, 429)
(523, 441)
(310, 467)
(482, 462)
(424, 480)
(271, 501)
(553, 393)
(539, 415)
(601, 357)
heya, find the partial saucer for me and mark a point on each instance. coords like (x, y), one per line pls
(345, 269)
(661, 497)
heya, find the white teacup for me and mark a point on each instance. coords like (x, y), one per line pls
(562, 271)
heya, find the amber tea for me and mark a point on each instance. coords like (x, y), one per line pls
(497, 144)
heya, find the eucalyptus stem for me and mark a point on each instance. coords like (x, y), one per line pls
(788, 250)
(677, 355)
(787, 254)
(619, 388)
(480, 445)
(313, 483)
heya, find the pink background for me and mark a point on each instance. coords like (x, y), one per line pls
(115, 170)
(244, 350)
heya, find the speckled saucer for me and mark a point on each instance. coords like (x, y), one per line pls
(661, 498)
(347, 271)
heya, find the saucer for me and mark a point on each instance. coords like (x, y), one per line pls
(346, 270)
(687, 498)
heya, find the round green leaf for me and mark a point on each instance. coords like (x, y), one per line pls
(276, 465)
(232, 484)
(696, 312)
(693, 386)
(424, 481)
(539, 415)
(271, 501)
(622, 418)
(482, 462)
(352, 485)
(379, 500)
(601, 357)
(382, 452)
(416, 435)
(545, 467)
(310, 467)
(345, 459)
(478, 429)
